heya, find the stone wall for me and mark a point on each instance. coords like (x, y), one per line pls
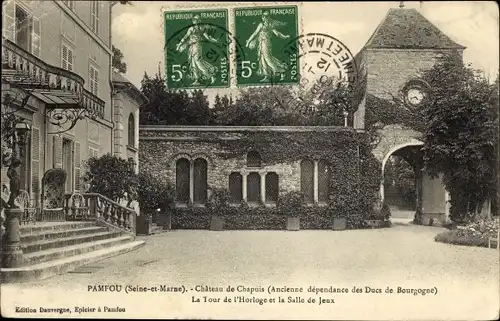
(161, 147)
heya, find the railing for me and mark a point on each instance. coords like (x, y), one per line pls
(97, 206)
(32, 71)
(88, 207)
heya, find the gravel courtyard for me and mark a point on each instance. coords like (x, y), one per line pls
(406, 256)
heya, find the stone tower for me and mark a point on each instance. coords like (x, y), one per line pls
(403, 45)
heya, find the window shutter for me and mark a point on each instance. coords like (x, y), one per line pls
(77, 166)
(9, 20)
(64, 57)
(96, 79)
(70, 59)
(36, 37)
(35, 163)
(58, 156)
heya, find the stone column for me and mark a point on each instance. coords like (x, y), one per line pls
(263, 188)
(244, 186)
(191, 183)
(12, 255)
(315, 182)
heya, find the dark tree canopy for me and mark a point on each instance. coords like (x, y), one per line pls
(172, 107)
(118, 63)
(461, 134)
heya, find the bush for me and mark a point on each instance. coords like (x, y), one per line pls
(457, 238)
(111, 176)
(473, 234)
(155, 193)
(219, 202)
(291, 204)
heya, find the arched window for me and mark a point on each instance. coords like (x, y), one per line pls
(272, 187)
(253, 159)
(323, 178)
(200, 181)
(131, 130)
(235, 187)
(253, 187)
(307, 180)
(182, 179)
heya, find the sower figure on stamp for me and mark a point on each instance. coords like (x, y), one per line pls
(199, 68)
(262, 39)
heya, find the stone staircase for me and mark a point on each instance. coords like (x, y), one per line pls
(52, 248)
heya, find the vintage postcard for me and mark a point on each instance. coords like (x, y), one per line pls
(250, 160)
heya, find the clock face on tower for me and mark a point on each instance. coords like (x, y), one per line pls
(415, 93)
(415, 96)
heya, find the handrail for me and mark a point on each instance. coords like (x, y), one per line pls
(109, 212)
(109, 200)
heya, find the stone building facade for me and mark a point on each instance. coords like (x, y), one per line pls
(63, 49)
(196, 159)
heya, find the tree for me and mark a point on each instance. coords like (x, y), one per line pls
(118, 64)
(111, 176)
(460, 134)
(155, 193)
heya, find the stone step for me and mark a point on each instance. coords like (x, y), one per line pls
(47, 269)
(67, 241)
(67, 251)
(54, 226)
(58, 234)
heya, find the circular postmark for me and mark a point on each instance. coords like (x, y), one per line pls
(198, 56)
(322, 55)
(326, 69)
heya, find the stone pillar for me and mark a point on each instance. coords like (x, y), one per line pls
(263, 188)
(315, 182)
(244, 186)
(12, 255)
(191, 183)
(118, 127)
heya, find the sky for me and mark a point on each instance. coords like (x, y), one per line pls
(138, 28)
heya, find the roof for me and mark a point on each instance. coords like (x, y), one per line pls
(119, 79)
(408, 29)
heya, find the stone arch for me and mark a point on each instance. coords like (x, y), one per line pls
(393, 138)
(208, 159)
(173, 160)
(413, 142)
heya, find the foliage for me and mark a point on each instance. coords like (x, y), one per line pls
(291, 204)
(473, 234)
(454, 237)
(401, 173)
(111, 176)
(118, 64)
(172, 107)
(155, 193)
(323, 104)
(219, 202)
(461, 133)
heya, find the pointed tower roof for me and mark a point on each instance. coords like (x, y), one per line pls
(408, 29)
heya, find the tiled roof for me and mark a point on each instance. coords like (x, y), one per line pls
(120, 79)
(117, 77)
(408, 29)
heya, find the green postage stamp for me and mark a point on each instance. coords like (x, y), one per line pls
(197, 49)
(264, 33)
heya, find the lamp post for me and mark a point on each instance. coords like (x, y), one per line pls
(12, 255)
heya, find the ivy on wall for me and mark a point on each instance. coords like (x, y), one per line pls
(353, 181)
